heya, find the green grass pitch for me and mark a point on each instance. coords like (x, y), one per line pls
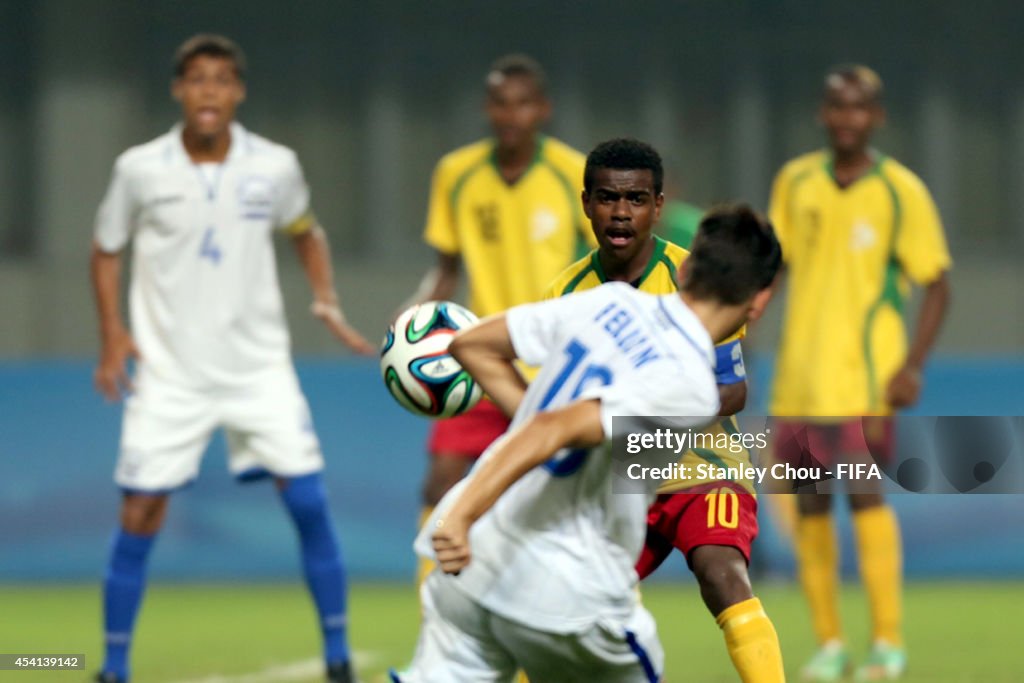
(957, 632)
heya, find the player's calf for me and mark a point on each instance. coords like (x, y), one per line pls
(750, 636)
(306, 501)
(143, 513)
(721, 572)
(125, 581)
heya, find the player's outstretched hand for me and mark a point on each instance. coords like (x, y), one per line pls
(904, 388)
(332, 316)
(111, 376)
(451, 544)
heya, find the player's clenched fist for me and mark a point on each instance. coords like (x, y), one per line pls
(904, 388)
(451, 544)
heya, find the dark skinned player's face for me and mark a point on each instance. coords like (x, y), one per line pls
(850, 114)
(516, 109)
(622, 207)
(209, 93)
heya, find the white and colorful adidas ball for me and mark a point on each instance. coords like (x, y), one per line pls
(416, 366)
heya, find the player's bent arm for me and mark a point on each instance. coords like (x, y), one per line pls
(116, 343)
(315, 255)
(929, 320)
(486, 352)
(905, 386)
(576, 425)
(105, 271)
(732, 397)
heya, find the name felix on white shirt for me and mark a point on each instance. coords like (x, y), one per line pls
(627, 334)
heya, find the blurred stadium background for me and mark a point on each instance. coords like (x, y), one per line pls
(370, 95)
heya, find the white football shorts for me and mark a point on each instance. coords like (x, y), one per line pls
(463, 642)
(167, 427)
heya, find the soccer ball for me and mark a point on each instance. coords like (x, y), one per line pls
(416, 366)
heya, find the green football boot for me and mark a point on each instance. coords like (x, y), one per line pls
(830, 663)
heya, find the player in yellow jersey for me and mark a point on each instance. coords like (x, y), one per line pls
(507, 209)
(855, 226)
(623, 198)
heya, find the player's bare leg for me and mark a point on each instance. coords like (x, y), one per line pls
(721, 572)
(142, 516)
(143, 513)
(749, 634)
(880, 558)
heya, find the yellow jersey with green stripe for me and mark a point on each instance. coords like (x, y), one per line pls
(660, 278)
(849, 254)
(514, 238)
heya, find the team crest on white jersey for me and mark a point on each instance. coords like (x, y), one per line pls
(543, 223)
(864, 236)
(255, 196)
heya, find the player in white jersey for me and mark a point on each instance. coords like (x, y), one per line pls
(200, 206)
(537, 551)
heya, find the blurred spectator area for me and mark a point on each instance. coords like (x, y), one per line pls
(371, 94)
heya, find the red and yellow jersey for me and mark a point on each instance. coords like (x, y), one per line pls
(660, 278)
(513, 238)
(849, 254)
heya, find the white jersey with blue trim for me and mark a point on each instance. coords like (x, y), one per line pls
(557, 550)
(205, 303)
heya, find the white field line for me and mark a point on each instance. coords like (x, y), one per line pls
(291, 671)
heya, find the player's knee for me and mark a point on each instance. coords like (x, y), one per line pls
(865, 501)
(814, 503)
(722, 574)
(143, 514)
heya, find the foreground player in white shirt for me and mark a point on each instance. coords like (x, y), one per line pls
(200, 206)
(537, 551)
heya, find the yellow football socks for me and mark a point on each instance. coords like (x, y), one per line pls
(752, 642)
(881, 568)
(817, 551)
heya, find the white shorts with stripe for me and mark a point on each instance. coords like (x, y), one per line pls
(463, 642)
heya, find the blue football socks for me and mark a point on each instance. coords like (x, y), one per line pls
(306, 500)
(123, 586)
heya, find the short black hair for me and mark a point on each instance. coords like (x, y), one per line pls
(624, 154)
(734, 255)
(212, 45)
(518, 64)
(864, 76)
